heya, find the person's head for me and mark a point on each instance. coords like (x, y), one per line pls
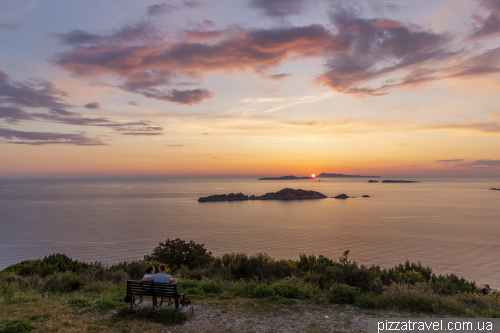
(150, 269)
(162, 268)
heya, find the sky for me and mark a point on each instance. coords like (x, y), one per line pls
(249, 87)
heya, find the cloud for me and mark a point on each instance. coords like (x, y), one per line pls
(489, 26)
(462, 163)
(145, 67)
(377, 48)
(13, 115)
(142, 32)
(366, 57)
(450, 161)
(34, 94)
(42, 94)
(489, 127)
(403, 144)
(133, 103)
(93, 105)
(175, 145)
(140, 133)
(494, 115)
(166, 8)
(278, 8)
(277, 77)
(48, 138)
(12, 26)
(161, 9)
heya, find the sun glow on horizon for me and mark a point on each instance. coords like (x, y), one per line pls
(313, 176)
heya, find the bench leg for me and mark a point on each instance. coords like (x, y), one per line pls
(177, 303)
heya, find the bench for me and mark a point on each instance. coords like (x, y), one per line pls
(155, 290)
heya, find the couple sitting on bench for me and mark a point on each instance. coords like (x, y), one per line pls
(161, 277)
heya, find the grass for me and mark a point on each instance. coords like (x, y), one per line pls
(310, 295)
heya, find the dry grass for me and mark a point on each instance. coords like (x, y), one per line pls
(53, 314)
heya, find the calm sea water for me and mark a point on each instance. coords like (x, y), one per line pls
(452, 225)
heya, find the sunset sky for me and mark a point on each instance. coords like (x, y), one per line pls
(249, 87)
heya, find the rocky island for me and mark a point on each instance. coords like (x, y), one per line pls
(339, 175)
(285, 178)
(373, 181)
(224, 197)
(400, 181)
(284, 194)
(495, 189)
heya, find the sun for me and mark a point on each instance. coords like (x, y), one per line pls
(313, 176)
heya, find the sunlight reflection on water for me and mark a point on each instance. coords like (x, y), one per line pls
(451, 225)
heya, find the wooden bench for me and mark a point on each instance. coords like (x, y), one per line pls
(155, 290)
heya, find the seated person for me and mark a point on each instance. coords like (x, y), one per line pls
(150, 270)
(161, 277)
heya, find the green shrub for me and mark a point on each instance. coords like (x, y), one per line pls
(367, 301)
(451, 284)
(54, 263)
(134, 269)
(99, 272)
(63, 282)
(248, 290)
(211, 287)
(79, 302)
(260, 266)
(177, 253)
(164, 316)
(263, 291)
(341, 293)
(287, 290)
(194, 291)
(185, 284)
(15, 326)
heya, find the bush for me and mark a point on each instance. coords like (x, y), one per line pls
(367, 301)
(63, 282)
(134, 269)
(178, 252)
(79, 302)
(162, 315)
(263, 291)
(54, 263)
(287, 290)
(99, 272)
(15, 326)
(420, 297)
(341, 293)
(184, 284)
(260, 266)
(211, 287)
(194, 291)
(248, 290)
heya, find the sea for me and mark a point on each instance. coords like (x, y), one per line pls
(449, 224)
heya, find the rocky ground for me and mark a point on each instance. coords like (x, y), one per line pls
(254, 316)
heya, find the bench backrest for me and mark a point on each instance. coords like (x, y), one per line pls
(152, 289)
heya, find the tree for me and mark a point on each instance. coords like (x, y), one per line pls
(177, 252)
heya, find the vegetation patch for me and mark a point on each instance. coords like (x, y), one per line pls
(162, 316)
(15, 326)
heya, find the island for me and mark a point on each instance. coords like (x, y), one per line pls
(285, 178)
(495, 189)
(284, 194)
(339, 175)
(373, 181)
(341, 196)
(224, 197)
(399, 181)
